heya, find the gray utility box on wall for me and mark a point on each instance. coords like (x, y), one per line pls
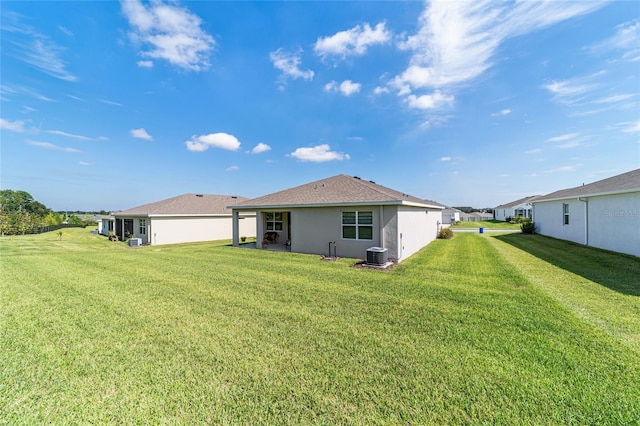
(377, 256)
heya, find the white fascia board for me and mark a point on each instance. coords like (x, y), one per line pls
(324, 205)
(595, 194)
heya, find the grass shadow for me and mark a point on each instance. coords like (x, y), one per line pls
(617, 271)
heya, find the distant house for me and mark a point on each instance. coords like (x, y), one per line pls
(475, 216)
(343, 216)
(451, 215)
(603, 214)
(182, 219)
(106, 224)
(521, 207)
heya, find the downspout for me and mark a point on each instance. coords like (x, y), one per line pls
(586, 219)
(381, 208)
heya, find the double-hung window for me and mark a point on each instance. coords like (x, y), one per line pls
(142, 227)
(274, 221)
(565, 213)
(357, 225)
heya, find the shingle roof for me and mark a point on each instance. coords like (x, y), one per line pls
(336, 190)
(187, 204)
(629, 181)
(518, 202)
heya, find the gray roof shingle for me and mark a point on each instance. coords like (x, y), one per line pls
(187, 204)
(337, 190)
(629, 181)
(517, 202)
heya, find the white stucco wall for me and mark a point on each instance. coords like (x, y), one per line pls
(174, 230)
(417, 227)
(614, 223)
(548, 218)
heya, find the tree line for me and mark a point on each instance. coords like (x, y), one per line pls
(20, 213)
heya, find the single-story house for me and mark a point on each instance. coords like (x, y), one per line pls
(106, 224)
(521, 207)
(475, 216)
(343, 216)
(603, 214)
(451, 215)
(183, 219)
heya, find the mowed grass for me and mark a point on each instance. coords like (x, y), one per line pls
(473, 330)
(486, 224)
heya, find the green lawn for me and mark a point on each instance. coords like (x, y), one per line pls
(487, 224)
(479, 329)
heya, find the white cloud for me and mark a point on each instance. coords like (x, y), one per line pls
(213, 140)
(14, 126)
(73, 136)
(457, 40)
(380, 90)
(36, 49)
(347, 87)
(169, 32)
(563, 138)
(631, 127)
(614, 98)
(289, 64)
(445, 159)
(84, 163)
(570, 91)
(626, 38)
(260, 148)
(141, 134)
(318, 154)
(501, 113)
(562, 169)
(145, 64)
(49, 145)
(108, 102)
(352, 42)
(534, 151)
(436, 100)
(232, 168)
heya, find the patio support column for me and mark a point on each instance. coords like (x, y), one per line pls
(235, 218)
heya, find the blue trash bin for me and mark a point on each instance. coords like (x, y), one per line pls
(481, 230)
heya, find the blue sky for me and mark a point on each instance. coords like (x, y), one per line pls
(108, 105)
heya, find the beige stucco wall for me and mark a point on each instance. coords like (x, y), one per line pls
(173, 230)
(312, 229)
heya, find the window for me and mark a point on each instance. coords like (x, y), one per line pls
(274, 221)
(357, 225)
(565, 213)
(143, 227)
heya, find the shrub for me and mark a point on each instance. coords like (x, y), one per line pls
(445, 234)
(508, 219)
(527, 226)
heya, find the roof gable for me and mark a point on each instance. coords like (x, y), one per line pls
(518, 202)
(187, 204)
(625, 182)
(337, 190)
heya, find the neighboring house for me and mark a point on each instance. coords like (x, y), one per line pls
(475, 216)
(106, 224)
(603, 214)
(343, 216)
(451, 215)
(183, 219)
(521, 207)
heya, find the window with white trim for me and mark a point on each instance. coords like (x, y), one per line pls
(357, 225)
(274, 221)
(142, 227)
(565, 213)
